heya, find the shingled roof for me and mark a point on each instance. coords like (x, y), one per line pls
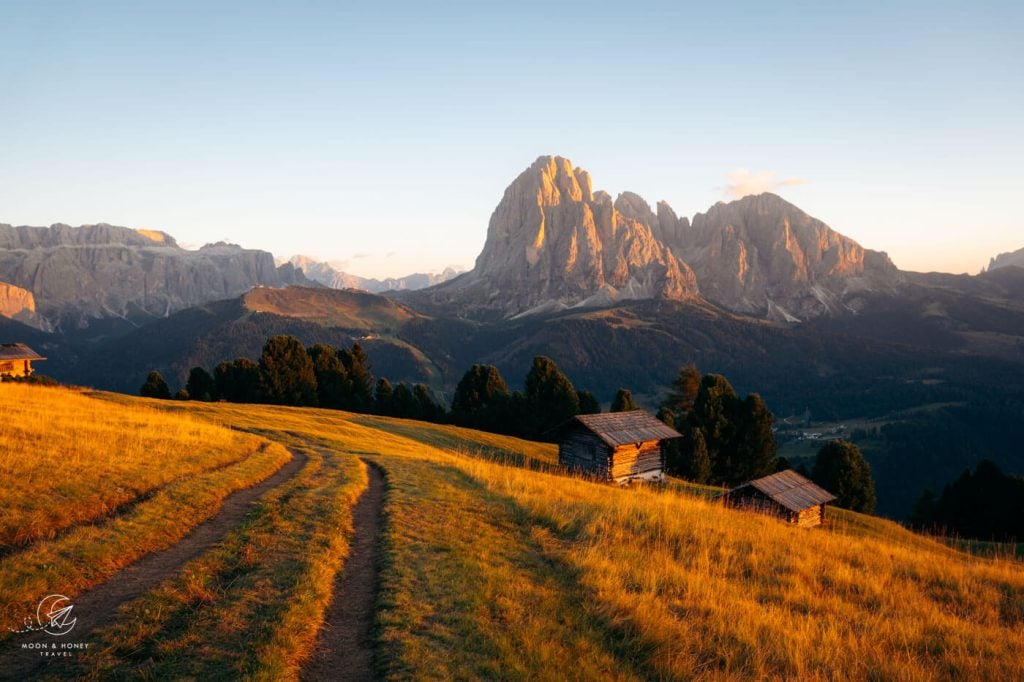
(791, 490)
(619, 428)
(18, 351)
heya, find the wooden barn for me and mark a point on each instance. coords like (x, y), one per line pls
(16, 359)
(617, 446)
(786, 495)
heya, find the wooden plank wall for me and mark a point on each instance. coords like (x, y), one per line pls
(581, 450)
(630, 460)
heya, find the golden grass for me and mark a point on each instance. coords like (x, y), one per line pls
(500, 571)
(66, 459)
(162, 481)
(251, 607)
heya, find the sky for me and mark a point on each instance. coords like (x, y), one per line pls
(381, 135)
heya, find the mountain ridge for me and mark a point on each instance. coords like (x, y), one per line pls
(553, 243)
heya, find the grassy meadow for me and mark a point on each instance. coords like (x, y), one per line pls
(496, 566)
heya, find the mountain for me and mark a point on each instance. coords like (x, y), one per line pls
(19, 304)
(80, 273)
(208, 334)
(1007, 259)
(331, 275)
(763, 256)
(553, 243)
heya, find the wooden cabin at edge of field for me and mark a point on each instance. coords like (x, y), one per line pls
(16, 359)
(616, 446)
(786, 495)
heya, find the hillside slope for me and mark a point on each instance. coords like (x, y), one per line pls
(497, 570)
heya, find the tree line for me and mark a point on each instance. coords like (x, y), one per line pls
(986, 504)
(726, 440)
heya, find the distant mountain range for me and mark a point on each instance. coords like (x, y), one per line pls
(1004, 260)
(331, 275)
(617, 293)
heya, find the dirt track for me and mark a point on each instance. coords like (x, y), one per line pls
(344, 650)
(97, 607)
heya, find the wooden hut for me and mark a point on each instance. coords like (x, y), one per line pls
(618, 446)
(786, 495)
(16, 359)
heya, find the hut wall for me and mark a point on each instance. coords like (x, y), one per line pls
(633, 460)
(16, 368)
(812, 516)
(580, 450)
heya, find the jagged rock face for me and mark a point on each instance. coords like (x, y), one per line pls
(761, 255)
(19, 304)
(77, 273)
(1007, 259)
(553, 242)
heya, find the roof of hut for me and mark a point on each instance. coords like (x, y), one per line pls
(18, 351)
(791, 490)
(619, 428)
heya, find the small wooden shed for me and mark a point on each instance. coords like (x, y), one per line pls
(16, 359)
(786, 495)
(617, 446)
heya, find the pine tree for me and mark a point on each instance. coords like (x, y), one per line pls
(588, 403)
(383, 398)
(683, 394)
(155, 387)
(756, 452)
(200, 385)
(697, 464)
(479, 398)
(238, 381)
(841, 469)
(360, 378)
(286, 372)
(332, 383)
(550, 397)
(623, 401)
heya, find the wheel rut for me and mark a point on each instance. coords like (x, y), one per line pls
(344, 649)
(97, 607)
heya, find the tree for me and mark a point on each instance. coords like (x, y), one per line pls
(383, 398)
(841, 469)
(714, 411)
(588, 403)
(696, 465)
(360, 378)
(756, 452)
(623, 401)
(155, 387)
(403, 403)
(238, 381)
(550, 397)
(332, 384)
(427, 408)
(286, 372)
(200, 385)
(479, 397)
(683, 394)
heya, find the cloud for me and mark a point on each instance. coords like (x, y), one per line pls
(360, 255)
(390, 254)
(742, 182)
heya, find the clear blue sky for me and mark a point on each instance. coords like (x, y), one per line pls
(383, 134)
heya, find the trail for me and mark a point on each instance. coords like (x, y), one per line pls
(344, 650)
(98, 606)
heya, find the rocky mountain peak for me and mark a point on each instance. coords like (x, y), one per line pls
(552, 241)
(763, 255)
(1007, 259)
